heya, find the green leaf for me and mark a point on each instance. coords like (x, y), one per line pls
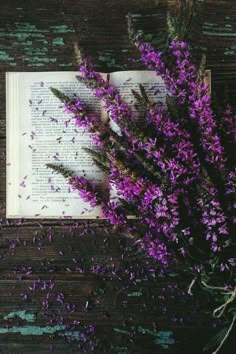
(144, 93)
(60, 170)
(216, 340)
(60, 95)
(137, 96)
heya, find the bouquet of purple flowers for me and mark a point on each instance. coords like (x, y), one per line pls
(176, 174)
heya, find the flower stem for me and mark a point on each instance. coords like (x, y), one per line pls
(226, 336)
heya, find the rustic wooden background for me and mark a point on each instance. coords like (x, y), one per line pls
(119, 291)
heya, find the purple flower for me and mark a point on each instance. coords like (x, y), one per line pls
(229, 124)
(60, 297)
(181, 80)
(87, 190)
(155, 248)
(178, 159)
(113, 212)
(201, 112)
(118, 110)
(213, 217)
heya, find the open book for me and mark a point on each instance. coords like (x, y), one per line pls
(40, 132)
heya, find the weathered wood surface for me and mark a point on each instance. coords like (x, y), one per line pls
(38, 36)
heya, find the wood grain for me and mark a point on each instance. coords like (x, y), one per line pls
(38, 36)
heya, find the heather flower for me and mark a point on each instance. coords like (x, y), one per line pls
(230, 194)
(87, 190)
(181, 161)
(89, 121)
(228, 265)
(60, 297)
(183, 72)
(213, 218)
(83, 119)
(229, 124)
(155, 248)
(160, 212)
(114, 213)
(12, 244)
(119, 111)
(87, 71)
(152, 193)
(127, 187)
(231, 183)
(151, 58)
(175, 77)
(181, 81)
(200, 110)
(171, 174)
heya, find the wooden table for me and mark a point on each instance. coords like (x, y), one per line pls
(134, 309)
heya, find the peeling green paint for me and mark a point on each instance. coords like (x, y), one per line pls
(61, 29)
(32, 43)
(22, 31)
(36, 51)
(214, 29)
(64, 65)
(162, 338)
(201, 48)
(20, 36)
(26, 26)
(74, 334)
(27, 43)
(135, 293)
(107, 57)
(121, 331)
(229, 51)
(136, 15)
(5, 57)
(39, 59)
(210, 24)
(36, 64)
(32, 330)
(58, 41)
(218, 34)
(43, 41)
(145, 15)
(5, 46)
(29, 317)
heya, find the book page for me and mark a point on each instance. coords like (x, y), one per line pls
(125, 81)
(41, 132)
